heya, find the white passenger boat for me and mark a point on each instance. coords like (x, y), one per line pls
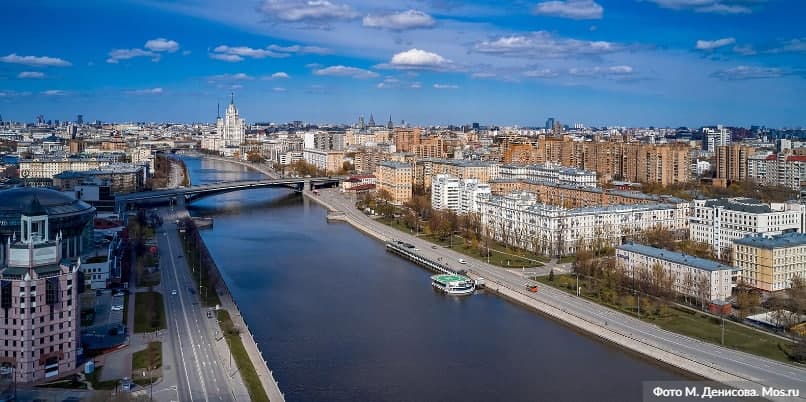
(457, 285)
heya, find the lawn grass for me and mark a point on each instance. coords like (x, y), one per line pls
(148, 360)
(149, 312)
(241, 358)
(500, 256)
(695, 324)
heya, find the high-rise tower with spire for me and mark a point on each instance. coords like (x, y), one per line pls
(231, 128)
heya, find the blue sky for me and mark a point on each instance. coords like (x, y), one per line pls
(596, 62)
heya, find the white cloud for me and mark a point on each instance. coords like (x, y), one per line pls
(749, 73)
(311, 12)
(415, 85)
(573, 9)
(544, 44)
(416, 59)
(409, 19)
(36, 61)
(744, 50)
(149, 91)
(237, 53)
(613, 72)
(710, 6)
(714, 44)
(230, 77)
(162, 45)
(54, 92)
(124, 54)
(278, 75)
(31, 74)
(11, 94)
(345, 71)
(279, 89)
(483, 75)
(541, 73)
(445, 86)
(185, 52)
(297, 49)
(232, 58)
(797, 45)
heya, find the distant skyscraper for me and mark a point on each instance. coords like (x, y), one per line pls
(390, 125)
(550, 123)
(231, 128)
(371, 120)
(80, 119)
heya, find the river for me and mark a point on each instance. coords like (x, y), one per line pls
(340, 319)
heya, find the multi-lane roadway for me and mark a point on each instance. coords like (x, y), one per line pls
(192, 335)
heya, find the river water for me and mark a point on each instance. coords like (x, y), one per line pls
(339, 319)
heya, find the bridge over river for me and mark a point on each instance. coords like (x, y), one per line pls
(192, 193)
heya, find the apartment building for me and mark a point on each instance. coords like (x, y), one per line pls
(406, 139)
(46, 168)
(519, 219)
(549, 172)
(426, 169)
(576, 196)
(731, 163)
(647, 163)
(718, 222)
(396, 178)
(783, 169)
(692, 276)
(770, 263)
(458, 195)
(329, 161)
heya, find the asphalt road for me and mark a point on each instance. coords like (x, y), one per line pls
(191, 334)
(750, 367)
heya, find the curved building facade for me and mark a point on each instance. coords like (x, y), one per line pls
(68, 217)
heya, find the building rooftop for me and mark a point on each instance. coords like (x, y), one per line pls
(779, 241)
(675, 257)
(740, 204)
(395, 165)
(54, 202)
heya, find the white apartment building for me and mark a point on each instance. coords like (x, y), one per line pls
(46, 168)
(693, 276)
(445, 191)
(458, 195)
(718, 222)
(551, 173)
(518, 219)
(472, 192)
(716, 138)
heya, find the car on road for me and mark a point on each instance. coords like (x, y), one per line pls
(209, 314)
(173, 292)
(117, 308)
(118, 294)
(462, 261)
(434, 247)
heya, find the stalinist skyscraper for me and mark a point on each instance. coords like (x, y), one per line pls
(231, 128)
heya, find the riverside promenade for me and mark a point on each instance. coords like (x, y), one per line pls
(702, 359)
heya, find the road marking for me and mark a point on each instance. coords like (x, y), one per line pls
(187, 323)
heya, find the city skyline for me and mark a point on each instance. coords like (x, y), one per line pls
(619, 63)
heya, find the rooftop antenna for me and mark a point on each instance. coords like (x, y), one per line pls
(218, 109)
(232, 97)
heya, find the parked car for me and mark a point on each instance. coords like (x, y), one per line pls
(117, 308)
(173, 292)
(462, 261)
